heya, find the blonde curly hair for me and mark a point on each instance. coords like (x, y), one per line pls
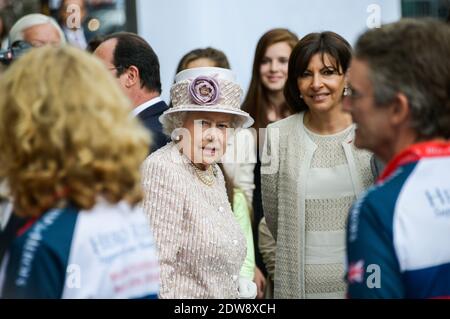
(66, 133)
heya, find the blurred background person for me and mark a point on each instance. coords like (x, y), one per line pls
(72, 19)
(203, 58)
(100, 17)
(398, 232)
(4, 30)
(265, 100)
(38, 30)
(318, 172)
(201, 246)
(265, 103)
(238, 175)
(136, 66)
(72, 165)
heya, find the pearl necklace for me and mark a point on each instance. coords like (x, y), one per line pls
(207, 176)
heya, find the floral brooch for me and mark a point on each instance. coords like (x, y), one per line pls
(204, 90)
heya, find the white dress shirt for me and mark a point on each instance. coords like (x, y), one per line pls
(76, 37)
(145, 105)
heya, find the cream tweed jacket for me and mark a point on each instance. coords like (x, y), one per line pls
(201, 247)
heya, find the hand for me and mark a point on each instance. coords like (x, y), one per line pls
(247, 288)
(260, 282)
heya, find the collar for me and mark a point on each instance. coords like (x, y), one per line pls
(348, 139)
(145, 105)
(415, 153)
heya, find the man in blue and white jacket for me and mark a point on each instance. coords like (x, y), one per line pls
(398, 236)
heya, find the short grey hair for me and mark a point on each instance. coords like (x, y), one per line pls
(31, 20)
(171, 123)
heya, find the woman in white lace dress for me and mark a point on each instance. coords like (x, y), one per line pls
(312, 173)
(200, 244)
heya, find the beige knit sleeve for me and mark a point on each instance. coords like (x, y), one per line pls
(164, 195)
(267, 247)
(269, 178)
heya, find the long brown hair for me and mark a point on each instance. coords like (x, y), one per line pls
(256, 102)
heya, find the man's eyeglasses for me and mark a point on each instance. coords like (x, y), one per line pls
(118, 68)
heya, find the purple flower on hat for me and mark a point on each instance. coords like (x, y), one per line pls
(204, 90)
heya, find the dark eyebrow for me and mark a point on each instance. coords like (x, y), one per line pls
(334, 67)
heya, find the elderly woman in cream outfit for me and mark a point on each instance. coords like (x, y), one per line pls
(201, 246)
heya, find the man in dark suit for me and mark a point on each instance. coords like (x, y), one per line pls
(136, 66)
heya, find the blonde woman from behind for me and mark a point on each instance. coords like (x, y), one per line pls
(71, 156)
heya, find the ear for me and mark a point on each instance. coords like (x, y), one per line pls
(346, 78)
(133, 76)
(400, 109)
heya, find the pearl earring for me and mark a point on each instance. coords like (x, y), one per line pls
(177, 138)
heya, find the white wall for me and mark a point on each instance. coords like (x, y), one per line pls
(174, 27)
